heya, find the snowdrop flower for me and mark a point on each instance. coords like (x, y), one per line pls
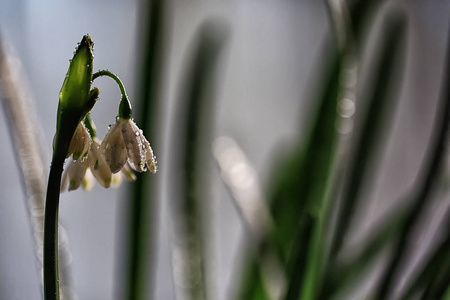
(79, 171)
(80, 143)
(98, 166)
(74, 174)
(126, 173)
(125, 142)
(83, 171)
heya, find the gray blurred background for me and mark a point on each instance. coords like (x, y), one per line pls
(268, 72)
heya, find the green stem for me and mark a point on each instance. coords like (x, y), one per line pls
(63, 138)
(125, 110)
(90, 126)
(51, 276)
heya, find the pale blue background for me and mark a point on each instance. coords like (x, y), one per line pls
(268, 72)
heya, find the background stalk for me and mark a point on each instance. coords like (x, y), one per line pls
(141, 211)
(190, 141)
(428, 177)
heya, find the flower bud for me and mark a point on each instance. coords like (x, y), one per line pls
(74, 94)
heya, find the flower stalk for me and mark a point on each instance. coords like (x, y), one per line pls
(125, 110)
(75, 100)
(75, 136)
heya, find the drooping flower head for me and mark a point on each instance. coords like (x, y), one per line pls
(81, 172)
(126, 142)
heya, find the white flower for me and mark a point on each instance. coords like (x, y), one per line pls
(80, 143)
(125, 142)
(99, 168)
(74, 174)
(83, 171)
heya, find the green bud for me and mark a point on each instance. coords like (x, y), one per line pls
(74, 94)
(75, 98)
(125, 110)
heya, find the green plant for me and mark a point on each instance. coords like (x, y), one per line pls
(299, 232)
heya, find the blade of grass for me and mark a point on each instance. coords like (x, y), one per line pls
(243, 184)
(447, 294)
(253, 287)
(302, 177)
(193, 132)
(427, 278)
(382, 100)
(25, 134)
(142, 207)
(339, 277)
(428, 176)
(312, 189)
(437, 288)
(360, 13)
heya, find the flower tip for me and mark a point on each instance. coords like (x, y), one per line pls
(88, 180)
(152, 166)
(74, 184)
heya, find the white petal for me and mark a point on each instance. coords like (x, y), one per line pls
(99, 168)
(128, 173)
(88, 181)
(75, 173)
(150, 158)
(132, 137)
(80, 143)
(65, 180)
(116, 179)
(95, 154)
(113, 148)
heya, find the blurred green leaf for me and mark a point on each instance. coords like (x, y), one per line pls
(142, 216)
(339, 277)
(361, 12)
(427, 179)
(304, 261)
(299, 186)
(253, 286)
(382, 100)
(192, 136)
(434, 277)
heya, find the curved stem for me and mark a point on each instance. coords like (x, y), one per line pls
(125, 110)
